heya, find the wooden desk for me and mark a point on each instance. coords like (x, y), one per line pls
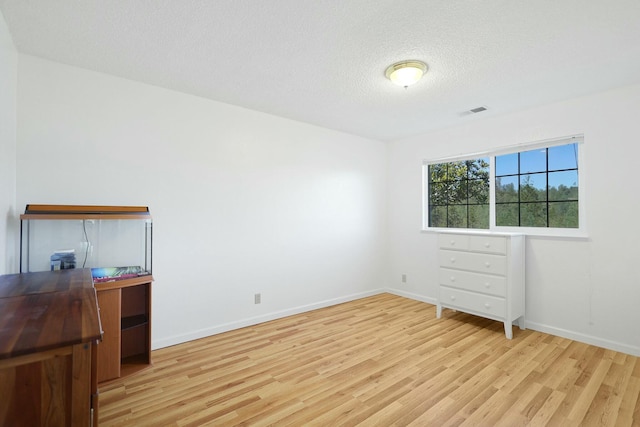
(49, 328)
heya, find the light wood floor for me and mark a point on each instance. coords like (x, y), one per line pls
(383, 361)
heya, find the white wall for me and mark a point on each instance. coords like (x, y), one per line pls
(243, 202)
(583, 289)
(8, 84)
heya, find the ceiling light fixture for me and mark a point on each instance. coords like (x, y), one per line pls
(406, 73)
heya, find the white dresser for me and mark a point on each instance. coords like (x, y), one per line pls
(483, 274)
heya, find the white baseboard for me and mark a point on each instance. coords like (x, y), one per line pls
(585, 338)
(411, 295)
(540, 327)
(217, 329)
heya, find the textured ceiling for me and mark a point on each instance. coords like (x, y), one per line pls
(323, 61)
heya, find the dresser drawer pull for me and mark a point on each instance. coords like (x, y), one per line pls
(452, 278)
(453, 297)
(487, 285)
(487, 305)
(487, 264)
(487, 245)
(453, 243)
(453, 260)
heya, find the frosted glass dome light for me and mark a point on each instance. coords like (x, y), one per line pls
(406, 73)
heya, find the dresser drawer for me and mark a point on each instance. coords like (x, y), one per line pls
(481, 263)
(482, 273)
(487, 305)
(453, 241)
(489, 244)
(475, 282)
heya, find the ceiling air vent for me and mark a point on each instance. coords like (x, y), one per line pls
(478, 110)
(474, 111)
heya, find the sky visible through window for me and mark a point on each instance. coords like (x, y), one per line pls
(563, 164)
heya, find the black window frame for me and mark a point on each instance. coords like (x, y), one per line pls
(447, 202)
(546, 202)
(568, 192)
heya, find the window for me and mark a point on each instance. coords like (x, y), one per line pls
(535, 191)
(538, 188)
(459, 194)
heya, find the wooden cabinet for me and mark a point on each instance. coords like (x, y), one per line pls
(109, 354)
(125, 311)
(483, 274)
(49, 327)
(115, 242)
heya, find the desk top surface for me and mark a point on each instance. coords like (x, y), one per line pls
(46, 310)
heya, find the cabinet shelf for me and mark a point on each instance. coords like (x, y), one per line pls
(133, 321)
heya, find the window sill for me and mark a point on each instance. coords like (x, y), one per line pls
(552, 233)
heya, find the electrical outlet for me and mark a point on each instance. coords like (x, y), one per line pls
(257, 298)
(404, 278)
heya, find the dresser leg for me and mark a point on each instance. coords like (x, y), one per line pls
(508, 331)
(521, 322)
(438, 311)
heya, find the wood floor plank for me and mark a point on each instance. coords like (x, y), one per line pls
(378, 361)
(630, 402)
(589, 391)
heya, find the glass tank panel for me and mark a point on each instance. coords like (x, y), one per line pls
(57, 237)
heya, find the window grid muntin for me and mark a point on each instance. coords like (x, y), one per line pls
(467, 179)
(547, 202)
